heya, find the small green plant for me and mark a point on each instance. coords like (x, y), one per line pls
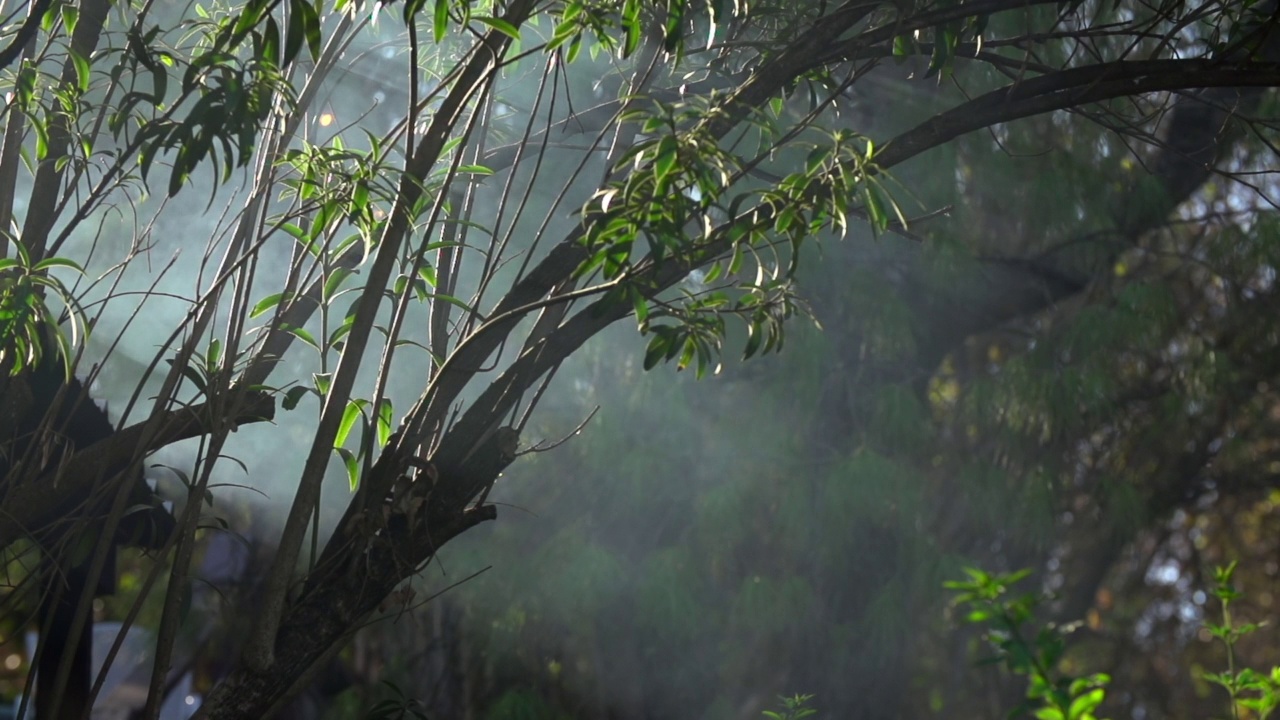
(1248, 689)
(400, 707)
(1050, 694)
(792, 708)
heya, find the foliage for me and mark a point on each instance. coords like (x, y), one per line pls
(1050, 695)
(27, 325)
(1246, 688)
(793, 708)
(398, 707)
(424, 268)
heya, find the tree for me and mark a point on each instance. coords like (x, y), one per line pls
(430, 263)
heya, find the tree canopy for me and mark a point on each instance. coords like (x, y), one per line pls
(1037, 236)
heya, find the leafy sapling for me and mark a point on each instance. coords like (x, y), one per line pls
(1050, 694)
(1247, 689)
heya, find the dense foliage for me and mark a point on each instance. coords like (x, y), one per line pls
(1037, 238)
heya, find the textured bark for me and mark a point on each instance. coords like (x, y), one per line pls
(337, 599)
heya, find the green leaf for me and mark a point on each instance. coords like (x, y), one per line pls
(271, 42)
(311, 28)
(53, 262)
(352, 464)
(641, 306)
(82, 70)
(902, 47)
(295, 33)
(500, 25)
(755, 336)
(334, 282)
(1082, 707)
(875, 209)
(440, 20)
(452, 301)
(214, 354)
(631, 24)
(665, 161)
(384, 421)
(26, 86)
(657, 350)
(690, 347)
(301, 334)
(42, 137)
(294, 396)
(333, 341)
(197, 379)
(353, 411)
(70, 17)
(673, 32)
(322, 382)
(267, 303)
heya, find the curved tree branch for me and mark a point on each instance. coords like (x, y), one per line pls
(29, 507)
(1073, 88)
(25, 32)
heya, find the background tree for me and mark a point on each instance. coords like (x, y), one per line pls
(557, 167)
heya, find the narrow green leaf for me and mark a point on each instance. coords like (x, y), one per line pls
(195, 376)
(352, 464)
(665, 161)
(295, 33)
(452, 301)
(336, 336)
(440, 21)
(754, 338)
(301, 334)
(42, 137)
(641, 306)
(334, 282)
(352, 413)
(271, 42)
(53, 262)
(500, 25)
(384, 421)
(82, 71)
(656, 350)
(266, 304)
(311, 28)
(213, 355)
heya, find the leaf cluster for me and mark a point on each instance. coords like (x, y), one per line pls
(26, 319)
(1049, 695)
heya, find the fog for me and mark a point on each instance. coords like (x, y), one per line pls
(674, 547)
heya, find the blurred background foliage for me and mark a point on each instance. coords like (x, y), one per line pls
(702, 547)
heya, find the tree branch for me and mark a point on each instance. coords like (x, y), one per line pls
(30, 507)
(24, 33)
(1072, 88)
